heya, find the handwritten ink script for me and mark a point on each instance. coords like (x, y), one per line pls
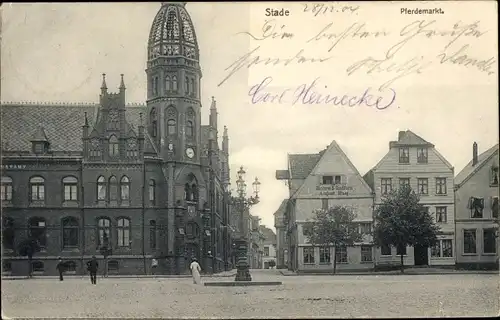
(304, 59)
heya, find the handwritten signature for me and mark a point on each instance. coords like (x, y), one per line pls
(310, 94)
(270, 30)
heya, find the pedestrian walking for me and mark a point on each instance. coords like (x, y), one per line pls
(60, 267)
(154, 265)
(195, 271)
(92, 267)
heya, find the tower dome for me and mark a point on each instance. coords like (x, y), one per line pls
(172, 33)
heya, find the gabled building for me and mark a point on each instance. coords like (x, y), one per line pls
(320, 181)
(413, 161)
(269, 246)
(476, 207)
(142, 181)
(281, 238)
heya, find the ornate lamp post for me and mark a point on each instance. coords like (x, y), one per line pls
(243, 204)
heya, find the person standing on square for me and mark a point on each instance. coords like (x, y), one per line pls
(92, 267)
(195, 271)
(60, 268)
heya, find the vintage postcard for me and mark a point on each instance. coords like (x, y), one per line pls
(249, 159)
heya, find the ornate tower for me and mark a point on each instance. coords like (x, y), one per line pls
(173, 73)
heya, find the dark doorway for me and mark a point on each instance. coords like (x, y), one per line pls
(421, 254)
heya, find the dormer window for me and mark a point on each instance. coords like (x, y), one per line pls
(422, 155)
(327, 179)
(404, 155)
(494, 176)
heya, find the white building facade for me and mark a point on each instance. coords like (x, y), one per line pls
(413, 161)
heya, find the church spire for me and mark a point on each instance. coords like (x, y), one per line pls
(213, 114)
(225, 141)
(104, 87)
(122, 83)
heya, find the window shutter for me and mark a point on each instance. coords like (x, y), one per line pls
(470, 204)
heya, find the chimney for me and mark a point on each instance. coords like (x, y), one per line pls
(401, 134)
(474, 153)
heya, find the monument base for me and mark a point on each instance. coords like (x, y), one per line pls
(242, 283)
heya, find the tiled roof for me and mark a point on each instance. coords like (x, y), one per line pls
(469, 169)
(282, 208)
(301, 165)
(409, 138)
(62, 124)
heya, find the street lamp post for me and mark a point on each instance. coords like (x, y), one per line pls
(244, 204)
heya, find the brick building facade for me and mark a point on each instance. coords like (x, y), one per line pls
(144, 181)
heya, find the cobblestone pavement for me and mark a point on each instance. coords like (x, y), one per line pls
(305, 296)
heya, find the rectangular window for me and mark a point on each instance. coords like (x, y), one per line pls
(341, 254)
(307, 229)
(386, 184)
(447, 246)
(338, 179)
(37, 192)
(476, 206)
(404, 182)
(401, 250)
(324, 204)
(494, 207)
(327, 180)
(404, 155)
(489, 241)
(366, 254)
(324, 255)
(423, 186)
(70, 192)
(266, 251)
(308, 255)
(385, 250)
(441, 215)
(494, 176)
(470, 241)
(6, 189)
(366, 227)
(440, 185)
(436, 249)
(422, 155)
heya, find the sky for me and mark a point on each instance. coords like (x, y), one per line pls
(57, 52)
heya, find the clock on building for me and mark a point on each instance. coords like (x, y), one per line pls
(190, 153)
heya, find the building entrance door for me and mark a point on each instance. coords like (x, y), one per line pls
(421, 255)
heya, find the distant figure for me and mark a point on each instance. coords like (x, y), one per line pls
(195, 271)
(154, 265)
(92, 266)
(60, 268)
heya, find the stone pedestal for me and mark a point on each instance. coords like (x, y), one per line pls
(242, 267)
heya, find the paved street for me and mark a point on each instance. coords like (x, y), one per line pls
(302, 296)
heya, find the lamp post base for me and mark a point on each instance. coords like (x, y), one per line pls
(243, 274)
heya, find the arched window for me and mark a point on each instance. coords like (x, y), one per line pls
(153, 122)
(70, 232)
(113, 265)
(125, 188)
(171, 120)
(168, 84)
(113, 189)
(6, 189)
(113, 146)
(70, 266)
(123, 232)
(152, 234)
(187, 85)
(37, 266)
(171, 127)
(187, 192)
(101, 188)
(155, 86)
(8, 233)
(103, 232)
(194, 192)
(174, 83)
(152, 192)
(193, 88)
(37, 187)
(38, 230)
(192, 230)
(189, 128)
(70, 185)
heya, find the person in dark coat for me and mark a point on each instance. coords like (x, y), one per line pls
(92, 267)
(60, 267)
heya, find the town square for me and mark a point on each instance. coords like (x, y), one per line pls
(342, 296)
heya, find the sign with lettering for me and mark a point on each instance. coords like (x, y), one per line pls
(13, 166)
(334, 189)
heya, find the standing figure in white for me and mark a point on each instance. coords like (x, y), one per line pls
(195, 271)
